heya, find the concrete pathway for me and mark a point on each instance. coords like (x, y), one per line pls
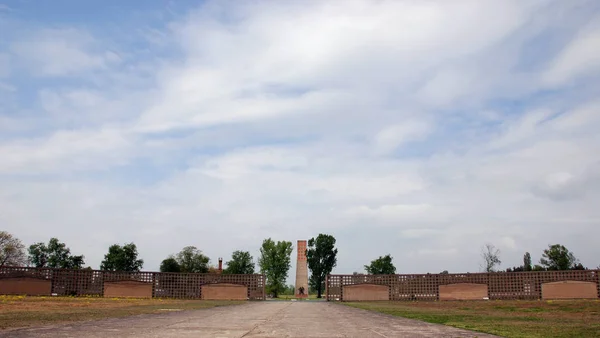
(254, 319)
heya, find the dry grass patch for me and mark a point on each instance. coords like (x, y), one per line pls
(22, 311)
(504, 318)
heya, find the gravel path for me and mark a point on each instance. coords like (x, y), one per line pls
(254, 319)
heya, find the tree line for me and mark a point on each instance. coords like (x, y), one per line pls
(274, 261)
(56, 254)
(555, 258)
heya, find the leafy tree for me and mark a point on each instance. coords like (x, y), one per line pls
(445, 272)
(321, 257)
(516, 269)
(289, 290)
(38, 255)
(54, 255)
(122, 258)
(241, 263)
(538, 268)
(381, 266)
(557, 257)
(191, 259)
(275, 263)
(527, 262)
(170, 264)
(12, 251)
(491, 257)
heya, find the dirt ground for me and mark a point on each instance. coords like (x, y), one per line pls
(21, 311)
(252, 319)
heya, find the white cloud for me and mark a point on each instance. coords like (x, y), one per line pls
(419, 233)
(254, 161)
(64, 150)
(396, 212)
(442, 252)
(60, 52)
(410, 128)
(392, 137)
(581, 57)
(516, 132)
(577, 119)
(508, 242)
(358, 46)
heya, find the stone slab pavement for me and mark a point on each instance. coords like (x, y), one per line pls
(253, 320)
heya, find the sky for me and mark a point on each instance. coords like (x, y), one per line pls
(420, 129)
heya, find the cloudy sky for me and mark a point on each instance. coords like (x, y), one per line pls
(422, 129)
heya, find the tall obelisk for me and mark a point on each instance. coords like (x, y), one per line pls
(301, 271)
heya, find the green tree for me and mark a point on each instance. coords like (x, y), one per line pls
(12, 251)
(241, 263)
(381, 266)
(54, 255)
(191, 259)
(527, 262)
(38, 255)
(491, 257)
(275, 263)
(170, 264)
(289, 290)
(557, 257)
(321, 256)
(122, 258)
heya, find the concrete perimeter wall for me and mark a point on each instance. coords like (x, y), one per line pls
(366, 292)
(223, 291)
(25, 286)
(463, 291)
(132, 289)
(569, 290)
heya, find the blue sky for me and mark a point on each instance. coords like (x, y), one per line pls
(419, 129)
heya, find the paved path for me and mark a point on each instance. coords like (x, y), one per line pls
(252, 320)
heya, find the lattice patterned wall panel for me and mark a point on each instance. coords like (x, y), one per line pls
(501, 285)
(165, 285)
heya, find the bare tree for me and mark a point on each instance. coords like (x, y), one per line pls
(491, 257)
(12, 251)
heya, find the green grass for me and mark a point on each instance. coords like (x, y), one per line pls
(288, 297)
(21, 311)
(503, 318)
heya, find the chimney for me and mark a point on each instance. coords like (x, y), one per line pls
(220, 265)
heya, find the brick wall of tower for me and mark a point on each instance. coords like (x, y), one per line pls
(301, 269)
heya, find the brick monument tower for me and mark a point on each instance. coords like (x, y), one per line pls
(301, 271)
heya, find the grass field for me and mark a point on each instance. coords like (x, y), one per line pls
(503, 318)
(21, 311)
